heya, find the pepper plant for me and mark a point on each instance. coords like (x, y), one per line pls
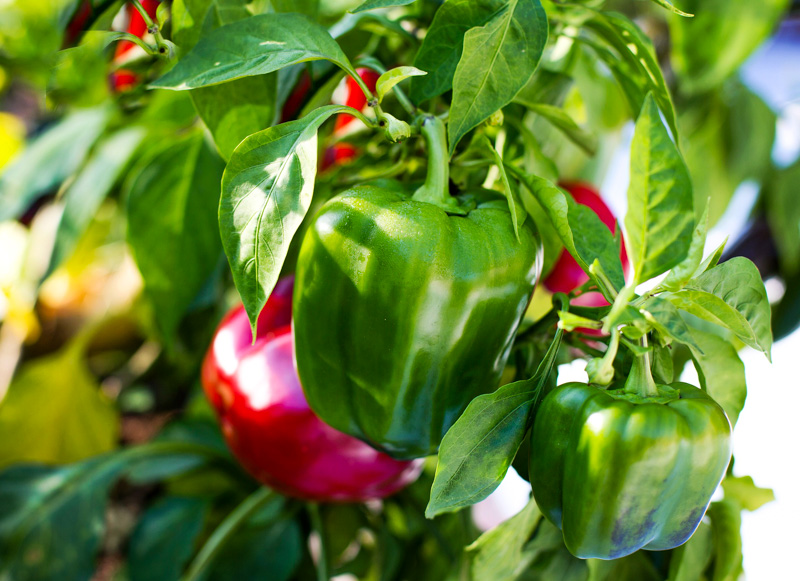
(429, 172)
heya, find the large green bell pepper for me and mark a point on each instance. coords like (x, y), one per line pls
(406, 306)
(618, 472)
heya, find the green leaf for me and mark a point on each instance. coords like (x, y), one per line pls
(498, 59)
(746, 493)
(739, 284)
(165, 537)
(476, 452)
(49, 160)
(635, 567)
(584, 139)
(258, 45)
(172, 204)
(689, 561)
(83, 197)
(42, 508)
(393, 76)
(515, 207)
(671, 7)
(478, 449)
(444, 43)
(660, 218)
(666, 319)
(633, 62)
(721, 372)
(710, 47)
(726, 525)
(266, 192)
(688, 268)
(41, 409)
(374, 4)
(193, 18)
(583, 234)
(497, 554)
(783, 214)
(234, 110)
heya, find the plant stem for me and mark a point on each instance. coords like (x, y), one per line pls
(316, 525)
(162, 48)
(229, 526)
(640, 381)
(435, 190)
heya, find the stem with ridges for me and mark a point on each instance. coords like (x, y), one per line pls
(640, 381)
(436, 190)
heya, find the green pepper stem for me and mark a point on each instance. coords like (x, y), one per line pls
(435, 189)
(640, 381)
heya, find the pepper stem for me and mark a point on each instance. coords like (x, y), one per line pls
(640, 381)
(435, 190)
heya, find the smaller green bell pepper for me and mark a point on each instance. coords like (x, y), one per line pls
(618, 471)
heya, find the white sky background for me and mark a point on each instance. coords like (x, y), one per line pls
(767, 435)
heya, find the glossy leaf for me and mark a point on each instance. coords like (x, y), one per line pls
(671, 7)
(739, 284)
(49, 160)
(583, 234)
(444, 43)
(660, 218)
(374, 4)
(266, 192)
(721, 372)
(393, 76)
(240, 50)
(478, 449)
(498, 59)
(193, 18)
(54, 404)
(710, 47)
(164, 538)
(172, 204)
(91, 186)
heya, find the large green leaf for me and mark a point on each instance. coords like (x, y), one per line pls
(91, 186)
(743, 490)
(710, 47)
(726, 529)
(721, 372)
(444, 43)
(660, 219)
(688, 267)
(193, 18)
(266, 192)
(165, 537)
(255, 46)
(50, 159)
(54, 405)
(52, 520)
(666, 319)
(172, 225)
(739, 284)
(497, 61)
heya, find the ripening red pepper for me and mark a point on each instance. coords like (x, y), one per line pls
(567, 275)
(75, 26)
(268, 425)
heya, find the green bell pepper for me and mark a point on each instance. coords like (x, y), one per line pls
(406, 306)
(619, 472)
